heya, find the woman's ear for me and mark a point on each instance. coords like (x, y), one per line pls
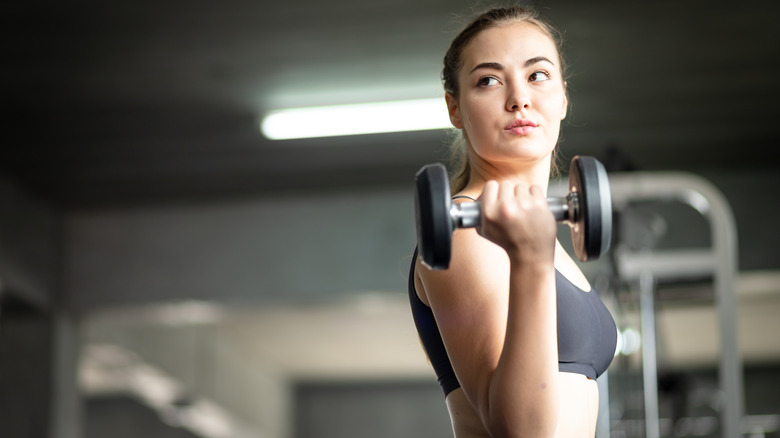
(565, 108)
(454, 110)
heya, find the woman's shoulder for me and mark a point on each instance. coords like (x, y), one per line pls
(477, 267)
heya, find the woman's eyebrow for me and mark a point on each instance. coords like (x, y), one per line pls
(489, 65)
(536, 59)
(499, 66)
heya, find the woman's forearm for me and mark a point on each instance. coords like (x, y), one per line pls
(522, 397)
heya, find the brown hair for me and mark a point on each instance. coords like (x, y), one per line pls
(458, 158)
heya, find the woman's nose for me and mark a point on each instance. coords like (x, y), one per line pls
(518, 99)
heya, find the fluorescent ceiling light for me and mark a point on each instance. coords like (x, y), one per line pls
(364, 118)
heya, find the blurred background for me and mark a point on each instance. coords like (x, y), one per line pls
(167, 271)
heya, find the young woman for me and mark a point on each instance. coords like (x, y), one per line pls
(512, 328)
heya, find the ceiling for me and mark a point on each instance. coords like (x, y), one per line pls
(122, 102)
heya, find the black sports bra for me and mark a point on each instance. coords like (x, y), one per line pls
(587, 335)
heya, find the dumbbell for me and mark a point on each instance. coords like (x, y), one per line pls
(587, 209)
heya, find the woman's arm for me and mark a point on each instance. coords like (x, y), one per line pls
(496, 310)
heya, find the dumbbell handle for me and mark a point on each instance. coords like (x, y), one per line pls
(468, 214)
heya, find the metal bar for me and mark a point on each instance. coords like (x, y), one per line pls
(66, 408)
(559, 208)
(711, 203)
(649, 356)
(604, 422)
(666, 264)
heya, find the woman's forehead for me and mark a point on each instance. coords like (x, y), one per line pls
(515, 41)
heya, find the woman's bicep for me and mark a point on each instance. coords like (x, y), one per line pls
(470, 302)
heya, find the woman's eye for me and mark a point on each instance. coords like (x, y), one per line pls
(539, 76)
(487, 81)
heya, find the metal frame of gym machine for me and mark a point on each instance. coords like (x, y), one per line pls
(720, 262)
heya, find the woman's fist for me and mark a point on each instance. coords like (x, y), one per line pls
(517, 218)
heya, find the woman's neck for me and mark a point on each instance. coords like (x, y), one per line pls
(534, 173)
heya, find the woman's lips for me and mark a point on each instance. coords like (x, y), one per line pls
(522, 130)
(521, 127)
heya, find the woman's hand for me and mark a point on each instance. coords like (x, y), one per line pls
(517, 218)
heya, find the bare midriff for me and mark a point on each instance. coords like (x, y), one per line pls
(578, 410)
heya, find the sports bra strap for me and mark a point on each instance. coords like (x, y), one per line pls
(464, 197)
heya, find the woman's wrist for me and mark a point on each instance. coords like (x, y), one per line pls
(528, 260)
(530, 265)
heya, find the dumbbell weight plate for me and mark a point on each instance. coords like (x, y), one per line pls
(434, 223)
(592, 230)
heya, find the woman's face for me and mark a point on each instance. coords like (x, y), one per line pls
(512, 97)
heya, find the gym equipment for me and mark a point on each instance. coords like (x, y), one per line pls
(587, 209)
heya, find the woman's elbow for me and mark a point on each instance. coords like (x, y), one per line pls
(529, 423)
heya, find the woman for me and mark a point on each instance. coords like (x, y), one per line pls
(512, 328)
